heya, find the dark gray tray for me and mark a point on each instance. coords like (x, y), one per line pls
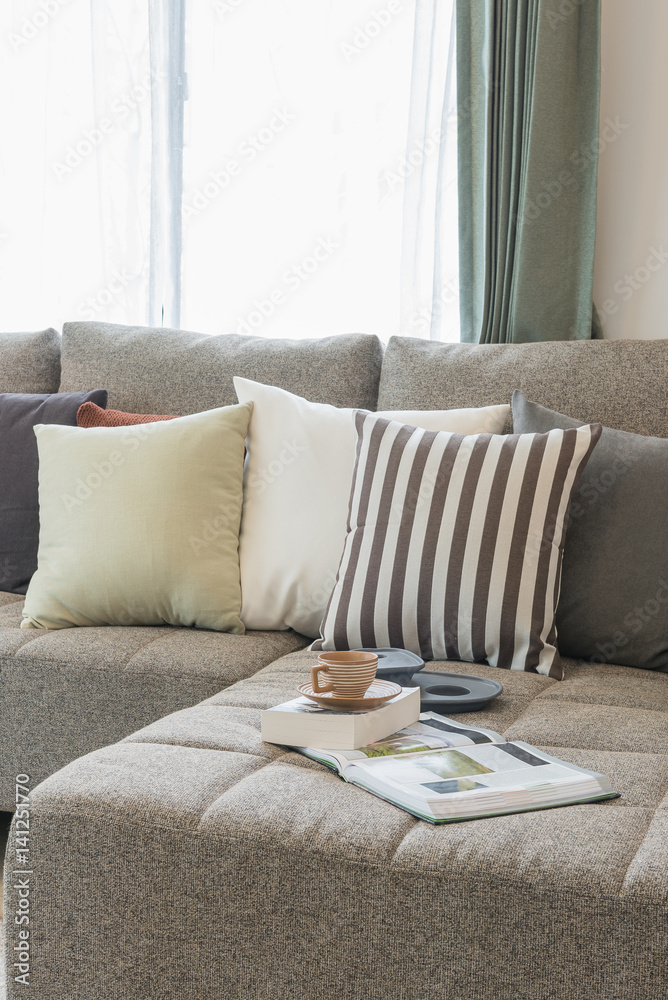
(452, 693)
(396, 665)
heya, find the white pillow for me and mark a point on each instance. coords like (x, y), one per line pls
(297, 480)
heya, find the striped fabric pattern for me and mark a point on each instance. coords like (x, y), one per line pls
(454, 543)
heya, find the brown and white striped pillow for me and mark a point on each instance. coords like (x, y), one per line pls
(454, 543)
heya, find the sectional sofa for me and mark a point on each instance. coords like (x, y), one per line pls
(174, 856)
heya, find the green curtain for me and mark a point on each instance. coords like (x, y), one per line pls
(528, 81)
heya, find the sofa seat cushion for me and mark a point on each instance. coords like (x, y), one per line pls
(278, 860)
(6, 598)
(582, 719)
(66, 692)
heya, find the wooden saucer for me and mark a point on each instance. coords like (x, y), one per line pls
(376, 694)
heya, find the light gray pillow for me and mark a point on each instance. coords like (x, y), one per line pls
(614, 588)
(156, 370)
(30, 362)
(618, 383)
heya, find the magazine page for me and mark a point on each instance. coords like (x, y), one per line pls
(456, 732)
(477, 779)
(432, 732)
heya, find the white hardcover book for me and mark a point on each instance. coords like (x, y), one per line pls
(302, 723)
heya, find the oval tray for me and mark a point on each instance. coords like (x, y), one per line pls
(394, 664)
(452, 693)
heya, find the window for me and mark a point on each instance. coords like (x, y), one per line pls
(222, 165)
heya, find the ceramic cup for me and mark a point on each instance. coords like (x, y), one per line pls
(346, 674)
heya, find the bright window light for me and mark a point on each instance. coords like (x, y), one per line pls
(296, 125)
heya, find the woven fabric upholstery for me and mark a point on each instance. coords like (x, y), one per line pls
(64, 693)
(90, 415)
(191, 860)
(173, 371)
(454, 543)
(9, 598)
(619, 383)
(30, 362)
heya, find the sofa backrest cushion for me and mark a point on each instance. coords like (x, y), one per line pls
(172, 371)
(621, 383)
(30, 362)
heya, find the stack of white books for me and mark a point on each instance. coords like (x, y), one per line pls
(302, 723)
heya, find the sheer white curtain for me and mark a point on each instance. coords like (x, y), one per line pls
(257, 173)
(297, 111)
(75, 155)
(430, 253)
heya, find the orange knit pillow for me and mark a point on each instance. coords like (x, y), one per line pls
(90, 415)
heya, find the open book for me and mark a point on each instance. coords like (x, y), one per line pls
(440, 770)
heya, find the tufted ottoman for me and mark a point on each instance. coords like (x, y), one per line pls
(193, 862)
(66, 692)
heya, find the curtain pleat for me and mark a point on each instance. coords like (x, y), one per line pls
(528, 80)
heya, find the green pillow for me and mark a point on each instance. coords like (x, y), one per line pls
(139, 525)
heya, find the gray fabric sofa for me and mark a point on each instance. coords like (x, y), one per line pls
(183, 858)
(65, 693)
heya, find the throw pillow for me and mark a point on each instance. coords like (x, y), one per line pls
(173, 371)
(90, 415)
(614, 596)
(454, 543)
(297, 485)
(139, 525)
(19, 510)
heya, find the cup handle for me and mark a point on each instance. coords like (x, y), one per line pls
(315, 680)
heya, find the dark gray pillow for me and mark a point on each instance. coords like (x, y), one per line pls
(614, 587)
(19, 509)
